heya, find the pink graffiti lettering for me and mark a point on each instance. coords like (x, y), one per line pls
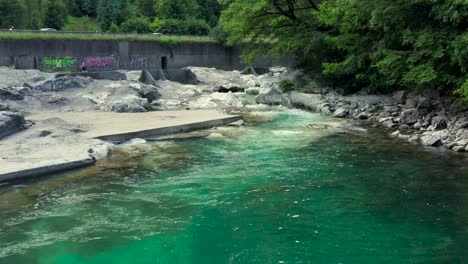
(100, 61)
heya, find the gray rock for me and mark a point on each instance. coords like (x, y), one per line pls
(150, 92)
(363, 116)
(411, 103)
(147, 78)
(7, 93)
(64, 83)
(10, 123)
(400, 96)
(101, 75)
(52, 99)
(439, 122)
(273, 97)
(463, 124)
(389, 124)
(312, 102)
(252, 91)
(430, 140)
(424, 105)
(229, 89)
(459, 149)
(130, 104)
(340, 112)
(414, 139)
(409, 116)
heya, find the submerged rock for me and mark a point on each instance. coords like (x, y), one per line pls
(252, 91)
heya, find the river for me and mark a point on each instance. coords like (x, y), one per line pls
(275, 192)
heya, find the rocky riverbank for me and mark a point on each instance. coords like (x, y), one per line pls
(419, 117)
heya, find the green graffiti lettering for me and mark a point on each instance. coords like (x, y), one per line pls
(54, 62)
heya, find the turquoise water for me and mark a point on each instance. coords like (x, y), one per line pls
(277, 192)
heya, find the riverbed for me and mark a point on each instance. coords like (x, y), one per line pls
(274, 192)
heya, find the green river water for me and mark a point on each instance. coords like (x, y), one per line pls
(276, 192)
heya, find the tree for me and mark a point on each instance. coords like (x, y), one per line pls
(33, 16)
(176, 9)
(11, 13)
(381, 44)
(88, 7)
(111, 11)
(55, 14)
(209, 10)
(145, 8)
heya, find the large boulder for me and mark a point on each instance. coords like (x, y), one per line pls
(7, 93)
(147, 78)
(150, 92)
(64, 83)
(52, 99)
(11, 122)
(400, 96)
(340, 112)
(409, 116)
(424, 105)
(130, 104)
(439, 122)
(272, 97)
(430, 140)
(312, 102)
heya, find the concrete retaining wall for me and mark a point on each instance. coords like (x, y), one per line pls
(64, 55)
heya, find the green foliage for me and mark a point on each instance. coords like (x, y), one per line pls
(88, 7)
(197, 16)
(113, 28)
(172, 40)
(11, 12)
(176, 9)
(111, 11)
(136, 25)
(287, 86)
(219, 34)
(380, 44)
(55, 14)
(182, 27)
(82, 24)
(145, 8)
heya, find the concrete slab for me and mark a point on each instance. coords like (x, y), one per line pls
(62, 140)
(110, 126)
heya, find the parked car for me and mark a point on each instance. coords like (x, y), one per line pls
(158, 34)
(48, 29)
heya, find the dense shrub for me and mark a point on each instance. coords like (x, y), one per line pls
(182, 27)
(287, 86)
(136, 25)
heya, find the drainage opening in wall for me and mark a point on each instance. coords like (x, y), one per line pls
(164, 63)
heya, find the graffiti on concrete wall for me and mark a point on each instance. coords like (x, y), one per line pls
(58, 62)
(92, 62)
